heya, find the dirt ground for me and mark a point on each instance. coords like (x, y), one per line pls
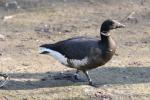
(125, 77)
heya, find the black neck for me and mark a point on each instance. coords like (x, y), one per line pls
(105, 36)
(104, 32)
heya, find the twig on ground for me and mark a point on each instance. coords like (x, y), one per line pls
(5, 81)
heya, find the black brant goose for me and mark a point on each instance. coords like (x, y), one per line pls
(84, 53)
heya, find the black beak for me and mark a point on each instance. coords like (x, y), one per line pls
(118, 24)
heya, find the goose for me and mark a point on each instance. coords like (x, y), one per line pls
(85, 53)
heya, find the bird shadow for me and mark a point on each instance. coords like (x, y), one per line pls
(101, 76)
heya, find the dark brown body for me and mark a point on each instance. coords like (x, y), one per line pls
(101, 55)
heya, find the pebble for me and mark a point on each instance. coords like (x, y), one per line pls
(2, 37)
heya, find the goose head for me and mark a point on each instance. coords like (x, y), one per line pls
(109, 24)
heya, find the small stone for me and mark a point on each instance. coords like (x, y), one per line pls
(25, 64)
(43, 79)
(24, 99)
(2, 37)
(42, 28)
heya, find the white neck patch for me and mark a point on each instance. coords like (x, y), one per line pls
(105, 34)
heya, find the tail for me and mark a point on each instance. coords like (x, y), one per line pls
(50, 49)
(45, 48)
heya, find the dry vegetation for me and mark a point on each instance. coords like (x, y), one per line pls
(125, 77)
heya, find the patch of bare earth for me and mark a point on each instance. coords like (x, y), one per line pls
(125, 77)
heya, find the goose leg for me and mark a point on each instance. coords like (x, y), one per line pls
(69, 76)
(73, 77)
(76, 75)
(89, 78)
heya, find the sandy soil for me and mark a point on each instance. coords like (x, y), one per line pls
(125, 77)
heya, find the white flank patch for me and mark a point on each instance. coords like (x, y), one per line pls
(61, 58)
(58, 56)
(78, 63)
